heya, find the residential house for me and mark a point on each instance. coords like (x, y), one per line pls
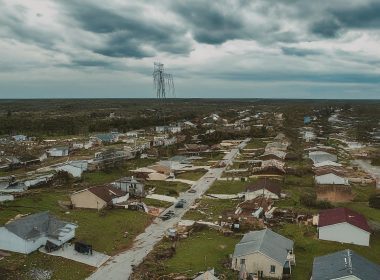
(20, 137)
(58, 152)
(264, 253)
(27, 234)
(277, 155)
(74, 168)
(98, 197)
(330, 176)
(345, 264)
(130, 185)
(132, 134)
(171, 129)
(263, 187)
(343, 225)
(108, 137)
(320, 156)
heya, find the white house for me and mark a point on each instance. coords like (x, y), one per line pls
(330, 177)
(343, 225)
(264, 253)
(27, 234)
(58, 152)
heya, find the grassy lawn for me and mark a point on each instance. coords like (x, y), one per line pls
(307, 247)
(191, 175)
(228, 187)
(211, 209)
(202, 250)
(19, 267)
(214, 156)
(256, 143)
(168, 188)
(156, 203)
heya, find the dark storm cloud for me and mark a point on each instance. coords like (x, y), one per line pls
(337, 19)
(127, 33)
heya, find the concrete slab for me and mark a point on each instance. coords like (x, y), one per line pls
(68, 252)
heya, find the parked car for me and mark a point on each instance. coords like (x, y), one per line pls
(192, 191)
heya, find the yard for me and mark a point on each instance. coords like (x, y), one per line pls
(213, 156)
(228, 187)
(194, 175)
(202, 250)
(167, 188)
(256, 143)
(210, 209)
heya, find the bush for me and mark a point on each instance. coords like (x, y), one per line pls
(310, 200)
(374, 201)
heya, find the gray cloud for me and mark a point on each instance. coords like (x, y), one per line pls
(127, 33)
(299, 51)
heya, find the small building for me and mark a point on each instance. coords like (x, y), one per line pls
(98, 197)
(345, 264)
(263, 187)
(343, 225)
(27, 234)
(130, 185)
(320, 156)
(264, 253)
(58, 152)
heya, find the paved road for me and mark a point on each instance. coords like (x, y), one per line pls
(374, 171)
(119, 267)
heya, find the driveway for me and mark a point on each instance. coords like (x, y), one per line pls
(120, 266)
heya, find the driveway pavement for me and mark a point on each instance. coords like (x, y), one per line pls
(120, 266)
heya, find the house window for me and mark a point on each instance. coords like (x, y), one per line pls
(272, 269)
(242, 261)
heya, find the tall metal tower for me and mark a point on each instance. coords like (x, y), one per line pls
(163, 86)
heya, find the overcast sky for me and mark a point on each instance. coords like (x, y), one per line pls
(227, 49)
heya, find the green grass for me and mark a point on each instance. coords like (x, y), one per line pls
(212, 208)
(156, 203)
(168, 188)
(200, 251)
(362, 192)
(191, 175)
(18, 267)
(228, 187)
(214, 156)
(256, 143)
(307, 247)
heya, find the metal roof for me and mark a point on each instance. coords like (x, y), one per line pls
(266, 242)
(342, 264)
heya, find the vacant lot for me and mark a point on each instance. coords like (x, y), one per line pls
(210, 209)
(167, 188)
(202, 250)
(228, 187)
(191, 175)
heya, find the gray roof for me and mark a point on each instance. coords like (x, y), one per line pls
(35, 225)
(342, 264)
(267, 242)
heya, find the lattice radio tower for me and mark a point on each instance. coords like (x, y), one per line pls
(163, 86)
